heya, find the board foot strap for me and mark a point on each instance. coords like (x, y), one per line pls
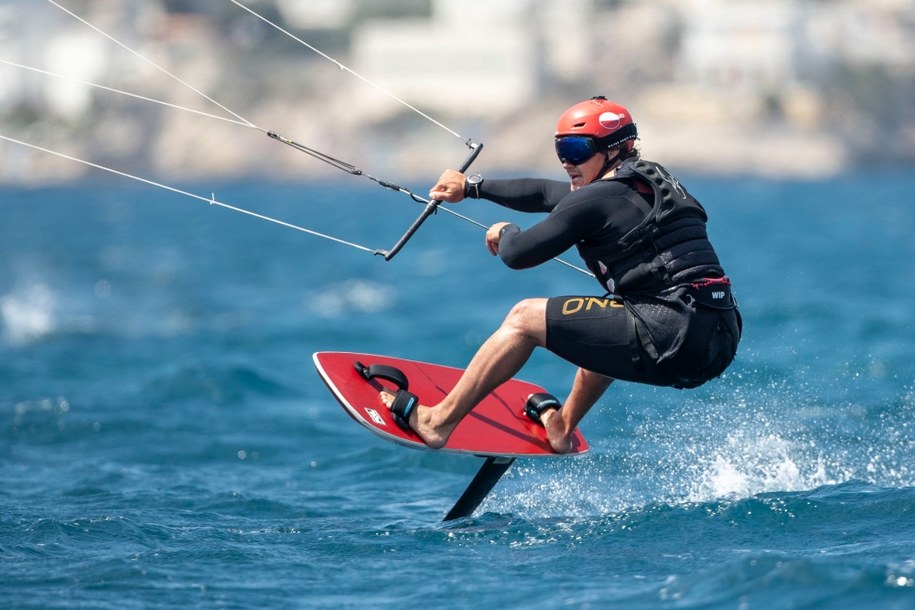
(383, 371)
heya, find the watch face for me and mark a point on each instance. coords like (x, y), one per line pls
(474, 178)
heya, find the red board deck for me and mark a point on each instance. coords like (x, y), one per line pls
(496, 427)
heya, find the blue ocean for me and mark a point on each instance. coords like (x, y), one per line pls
(166, 443)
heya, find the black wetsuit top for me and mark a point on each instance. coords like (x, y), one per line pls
(597, 213)
(600, 219)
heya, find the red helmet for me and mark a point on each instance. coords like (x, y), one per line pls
(605, 121)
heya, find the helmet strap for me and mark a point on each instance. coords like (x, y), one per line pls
(610, 163)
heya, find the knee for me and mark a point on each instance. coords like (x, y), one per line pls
(526, 313)
(527, 317)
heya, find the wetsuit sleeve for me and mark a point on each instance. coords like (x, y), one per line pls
(576, 219)
(525, 194)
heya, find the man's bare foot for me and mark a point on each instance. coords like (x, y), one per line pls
(560, 440)
(420, 422)
(544, 408)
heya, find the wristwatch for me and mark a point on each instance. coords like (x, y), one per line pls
(472, 186)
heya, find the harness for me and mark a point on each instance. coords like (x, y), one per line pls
(713, 293)
(668, 248)
(666, 257)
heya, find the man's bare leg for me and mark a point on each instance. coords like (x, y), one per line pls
(499, 359)
(560, 424)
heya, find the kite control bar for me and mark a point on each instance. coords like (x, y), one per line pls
(430, 208)
(431, 205)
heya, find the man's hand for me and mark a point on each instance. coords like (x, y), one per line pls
(493, 235)
(450, 187)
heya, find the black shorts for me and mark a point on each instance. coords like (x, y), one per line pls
(602, 335)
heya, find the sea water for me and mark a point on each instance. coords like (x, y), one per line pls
(165, 442)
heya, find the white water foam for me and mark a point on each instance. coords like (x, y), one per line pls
(750, 463)
(28, 314)
(353, 296)
(709, 451)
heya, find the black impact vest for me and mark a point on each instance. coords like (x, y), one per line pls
(669, 248)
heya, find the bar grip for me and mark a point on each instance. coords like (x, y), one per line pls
(430, 208)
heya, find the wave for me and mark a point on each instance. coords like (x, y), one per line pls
(842, 545)
(215, 383)
(707, 450)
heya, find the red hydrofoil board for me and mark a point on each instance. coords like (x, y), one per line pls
(497, 427)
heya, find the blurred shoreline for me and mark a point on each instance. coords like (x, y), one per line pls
(777, 88)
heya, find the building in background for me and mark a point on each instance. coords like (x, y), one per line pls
(783, 87)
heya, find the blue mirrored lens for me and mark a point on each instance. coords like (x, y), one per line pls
(575, 149)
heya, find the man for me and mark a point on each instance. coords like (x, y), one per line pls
(667, 318)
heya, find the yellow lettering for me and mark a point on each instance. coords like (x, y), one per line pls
(602, 303)
(571, 306)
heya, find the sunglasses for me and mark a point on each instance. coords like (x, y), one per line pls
(575, 149)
